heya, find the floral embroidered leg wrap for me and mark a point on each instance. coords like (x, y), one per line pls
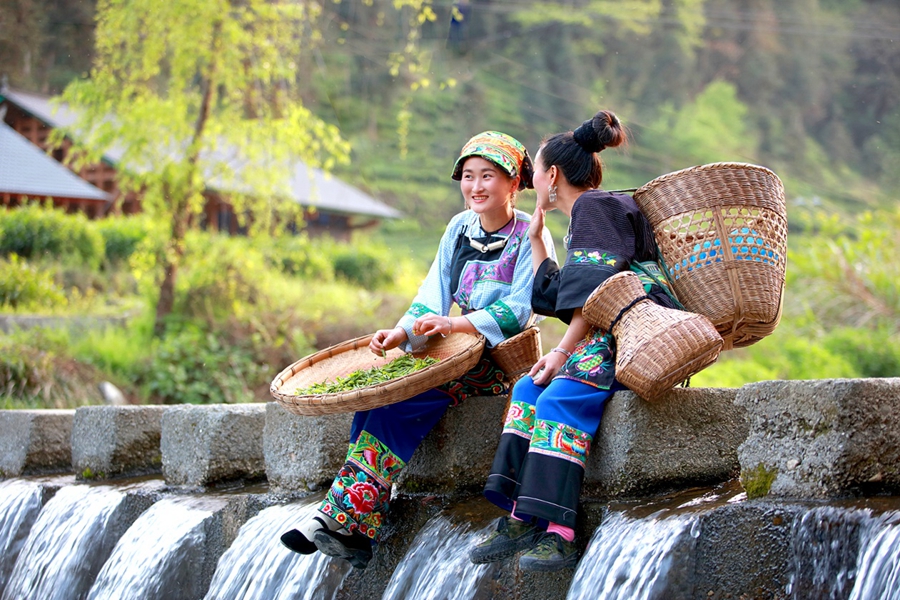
(503, 482)
(358, 498)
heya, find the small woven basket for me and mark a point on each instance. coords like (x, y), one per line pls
(457, 353)
(656, 347)
(721, 229)
(518, 354)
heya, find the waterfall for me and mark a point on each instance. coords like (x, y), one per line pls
(66, 546)
(840, 553)
(20, 503)
(258, 567)
(879, 564)
(159, 556)
(629, 559)
(437, 564)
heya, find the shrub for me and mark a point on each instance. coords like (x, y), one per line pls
(22, 286)
(33, 231)
(873, 353)
(365, 266)
(193, 366)
(123, 235)
(297, 255)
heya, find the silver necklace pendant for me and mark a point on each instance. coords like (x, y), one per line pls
(485, 248)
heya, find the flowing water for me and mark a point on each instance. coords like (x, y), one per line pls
(437, 565)
(159, 556)
(879, 565)
(20, 503)
(629, 559)
(258, 567)
(66, 546)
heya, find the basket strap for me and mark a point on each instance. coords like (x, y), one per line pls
(667, 288)
(625, 309)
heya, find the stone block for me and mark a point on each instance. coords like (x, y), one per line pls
(35, 441)
(456, 455)
(303, 453)
(688, 437)
(116, 441)
(203, 445)
(822, 438)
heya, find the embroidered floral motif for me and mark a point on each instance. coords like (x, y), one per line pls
(593, 361)
(500, 271)
(560, 441)
(593, 257)
(418, 309)
(505, 318)
(484, 379)
(359, 495)
(519, 419)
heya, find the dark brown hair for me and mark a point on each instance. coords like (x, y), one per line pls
(576, 152)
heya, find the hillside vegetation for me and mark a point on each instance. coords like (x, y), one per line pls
(809, 89)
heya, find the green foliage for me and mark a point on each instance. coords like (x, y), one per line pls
(36, 372)
(194, 366)
(298, 256)
(23, 286)
(33, 231)
(872, 353)
(122, 236)
(365, 266)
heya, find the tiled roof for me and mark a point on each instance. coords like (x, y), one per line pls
(26, 170)
(310, 187)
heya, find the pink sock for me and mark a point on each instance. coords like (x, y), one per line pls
(512, 513)
(566, 533)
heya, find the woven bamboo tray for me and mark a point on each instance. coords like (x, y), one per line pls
(517, 355)
(656, 347)
(721, 229)
(457, 353)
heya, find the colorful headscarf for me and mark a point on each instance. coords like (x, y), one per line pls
(503, 150)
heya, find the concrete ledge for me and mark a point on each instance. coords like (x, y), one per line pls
(35, 441)
(202, 445)
(821, 439)
(303, 454)
(456, 455)
(115, 441)
(689, 437)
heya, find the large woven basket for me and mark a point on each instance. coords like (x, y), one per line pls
(457, 353)
(722, 232)
(518, 354)
(656, 347)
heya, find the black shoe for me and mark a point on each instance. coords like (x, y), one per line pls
(355, 547)
(551, 553)
(510, 537)
(296, 541)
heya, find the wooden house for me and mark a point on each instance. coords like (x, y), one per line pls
(330, 206)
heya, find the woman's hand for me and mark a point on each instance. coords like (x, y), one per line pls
(536, 227)
(545, 369)
(387, 339)
(432, 324)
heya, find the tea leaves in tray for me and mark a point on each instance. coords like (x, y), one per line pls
(399, 367)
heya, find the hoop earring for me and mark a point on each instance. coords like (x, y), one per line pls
(552, 189)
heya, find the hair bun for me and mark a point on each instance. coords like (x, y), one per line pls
(587, 138)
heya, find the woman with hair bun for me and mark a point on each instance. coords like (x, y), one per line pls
(555, 411)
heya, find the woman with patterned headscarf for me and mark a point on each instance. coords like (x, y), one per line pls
(483, 265)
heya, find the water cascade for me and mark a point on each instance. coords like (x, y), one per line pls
(437, 565)
(630, 559)
(67, 545)
(157, 555)
(879, 564)
(20, 503)
(257, 567)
